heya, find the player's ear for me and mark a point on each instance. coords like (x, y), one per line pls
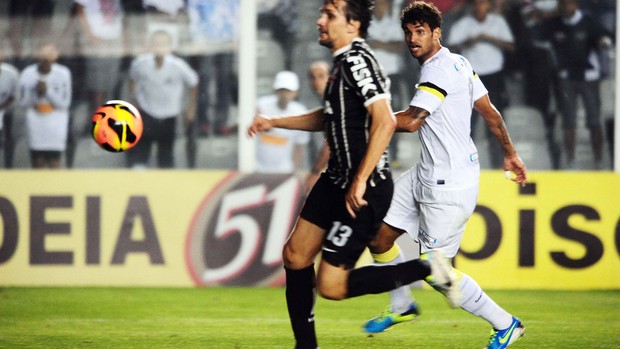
(437, 33)
(353, 26)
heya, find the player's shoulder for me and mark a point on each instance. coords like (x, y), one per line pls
(359, 50)
(445, 61)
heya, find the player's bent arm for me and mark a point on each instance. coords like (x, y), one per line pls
(381, 131)
(495, 122)
(411, 119)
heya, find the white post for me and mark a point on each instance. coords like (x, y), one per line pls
(247, 83)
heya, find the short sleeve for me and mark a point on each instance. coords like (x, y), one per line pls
(365, 77)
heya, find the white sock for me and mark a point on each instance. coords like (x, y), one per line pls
(400, 298)
(477, 302)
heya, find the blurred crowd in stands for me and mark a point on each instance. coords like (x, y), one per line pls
(60, 59)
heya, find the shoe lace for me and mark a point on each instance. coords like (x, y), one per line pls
(493, 335)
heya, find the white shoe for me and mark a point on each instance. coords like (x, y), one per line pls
(442, 277)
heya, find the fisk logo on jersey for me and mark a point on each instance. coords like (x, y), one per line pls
(361, 74)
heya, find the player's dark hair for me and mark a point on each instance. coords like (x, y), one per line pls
(358, 10)
(421, 12)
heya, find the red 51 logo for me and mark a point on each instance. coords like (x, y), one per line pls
(237, 233)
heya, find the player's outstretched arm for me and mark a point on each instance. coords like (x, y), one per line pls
(495, 122)
(310, 121)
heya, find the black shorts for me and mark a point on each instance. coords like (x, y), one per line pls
(345, 237)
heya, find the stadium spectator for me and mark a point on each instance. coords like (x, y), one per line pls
(575, 38)
(101, 46)
(9, 78)
(213, 26)
(157, 84)
(433, 200)
(45, 91)
(280, 18)
(384, 36)
(30, 22)
(281, 150)
(318, 75)
(536, 64)
(168, 15)
(482, 37)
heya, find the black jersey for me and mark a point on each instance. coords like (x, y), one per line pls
(573, 44)
(356, 81)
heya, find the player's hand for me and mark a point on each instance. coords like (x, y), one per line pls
(514, 164)
(259, 124)
(355, 197)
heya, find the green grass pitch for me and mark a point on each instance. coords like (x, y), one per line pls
(239, 318)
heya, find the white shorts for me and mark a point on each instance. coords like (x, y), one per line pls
(434, 218)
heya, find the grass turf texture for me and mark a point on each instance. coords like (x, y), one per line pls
(257, 318)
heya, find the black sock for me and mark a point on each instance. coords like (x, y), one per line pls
(379, 279)
(300, 299)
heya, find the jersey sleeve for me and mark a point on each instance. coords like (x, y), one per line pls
(365, 77)
(478, 87)
(431, 90)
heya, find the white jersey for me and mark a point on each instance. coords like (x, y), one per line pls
(485, 57)
(159, 90)
(275, 148)
(47, 117)
(447, 90)
(9, 77)
(104, 18)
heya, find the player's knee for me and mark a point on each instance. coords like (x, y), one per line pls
(293, 258)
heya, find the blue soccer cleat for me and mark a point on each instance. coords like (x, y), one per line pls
(501, 339)
(388, 319)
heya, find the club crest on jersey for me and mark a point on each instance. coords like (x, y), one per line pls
(361, 74)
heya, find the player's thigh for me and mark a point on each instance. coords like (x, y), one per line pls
(303, 245)
(404, 209)
(443, 217)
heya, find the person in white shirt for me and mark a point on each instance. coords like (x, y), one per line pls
(281, 150)
(385, 38)
(433, 200)
(157, 84)
(101, 45)
(9, 78)
(483, 37)
(45, 91)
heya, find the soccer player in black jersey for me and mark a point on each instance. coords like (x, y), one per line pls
(347, 204)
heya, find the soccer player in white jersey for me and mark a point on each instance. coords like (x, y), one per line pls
(433, 201)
